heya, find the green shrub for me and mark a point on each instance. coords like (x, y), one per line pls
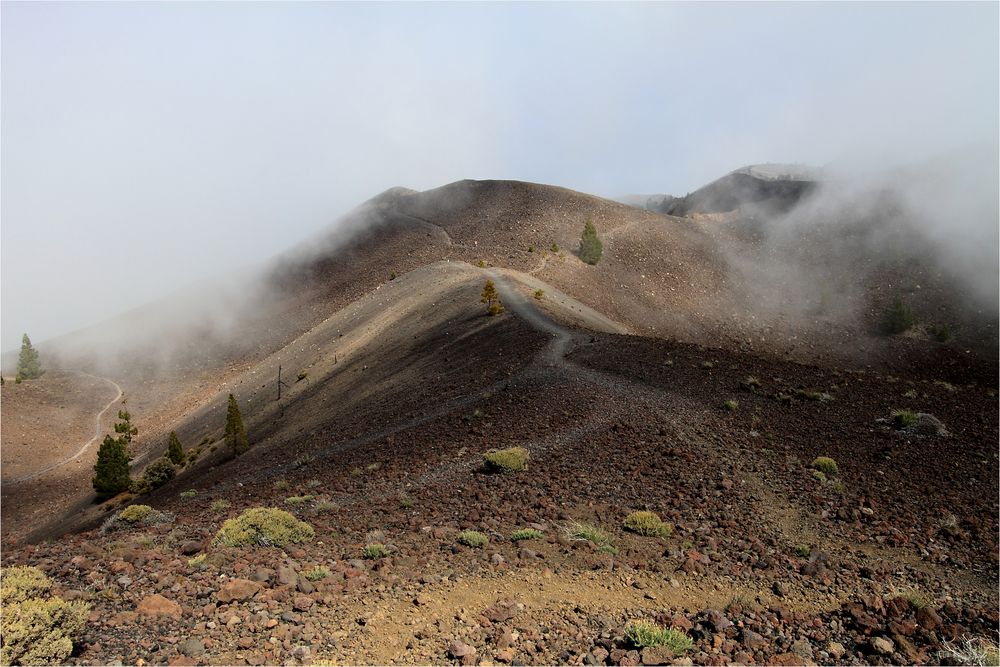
(135, 513)
(134, 516)
(825, 465)
(731, 405)
(188, 495)
(539, 294)
(708, 365)
(591, 247)
(159, 472)
(263, 526)
(220, 505)
(317, 573)
(941, 333)
(646, 523)
(324, 506)
(197, 560)
(512, 459)
(281, 485)
(375, 551)
(36, 628)
(903, 418)
(23, 583)
(472, 538)
(526, 534)
(140, 486)
(607, 549)
(554, 248)
(898, 317)
(496, 308)
(299, 500)
(585, 531)
(531, 248)
(642, 634)
(405, 501)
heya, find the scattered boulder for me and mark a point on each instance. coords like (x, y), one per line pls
(157, 606)
(238, 590)
(191, 647)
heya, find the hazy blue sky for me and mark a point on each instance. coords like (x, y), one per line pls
(147, 145)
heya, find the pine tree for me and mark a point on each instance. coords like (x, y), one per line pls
(591, 247)
(28, 367)
(898, 317)
(491, 298)
(174, 450)
(125, 431)
(111, 469)
(236, 435)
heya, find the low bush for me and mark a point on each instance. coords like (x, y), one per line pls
(585, 531)
(642, 634)
(135, 516)
(539, 294)
(526, 534)
(512, 459)
(731, 405)
(647, 524)
(825, 465)
(472, 538)
(188, 495)
(941, 333)
(903, 418)
(375, 551)
(159, 472)
(317, 573)
(299, 500)
(37, 628)
(220, 505)
(263, 526)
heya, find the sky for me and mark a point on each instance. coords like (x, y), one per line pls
(145, 147)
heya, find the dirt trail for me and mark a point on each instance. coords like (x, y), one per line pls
(86, 445)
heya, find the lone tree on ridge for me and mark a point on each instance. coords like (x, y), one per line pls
(28, 367)
(491, 298)
(591, 247)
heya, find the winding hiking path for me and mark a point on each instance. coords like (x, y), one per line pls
(86, 445)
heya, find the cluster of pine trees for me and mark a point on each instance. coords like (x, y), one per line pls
(111, 472)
